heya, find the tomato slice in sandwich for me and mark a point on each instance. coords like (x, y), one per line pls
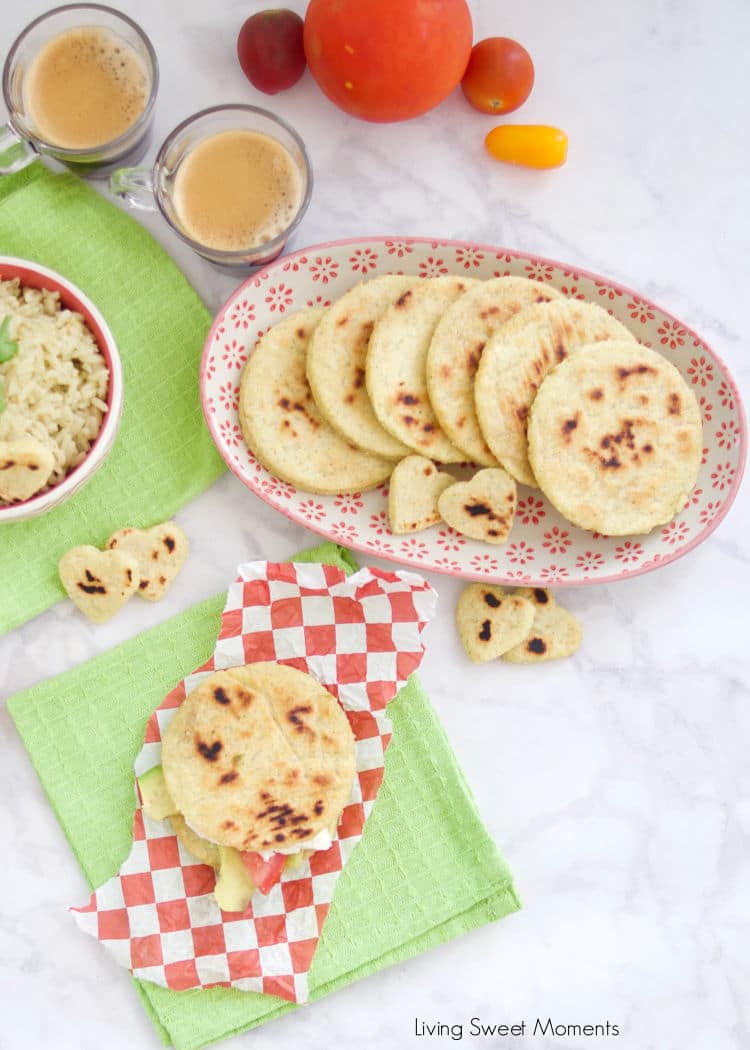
(264, 873)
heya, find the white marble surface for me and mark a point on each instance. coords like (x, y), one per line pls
(616, 782)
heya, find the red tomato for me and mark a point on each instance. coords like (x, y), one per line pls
(531, 145)
(269, 47)
(264, 873)
(387, 60)
(499, 76)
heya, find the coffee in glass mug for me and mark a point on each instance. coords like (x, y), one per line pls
(232, 181)
(79, 84)
(85, 87)
(236, 189)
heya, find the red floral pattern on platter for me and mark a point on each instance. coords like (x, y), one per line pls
(543, 547)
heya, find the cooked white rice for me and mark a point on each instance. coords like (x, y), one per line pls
(56, 385)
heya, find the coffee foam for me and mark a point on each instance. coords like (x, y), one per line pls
(85, 88)
(236, 190)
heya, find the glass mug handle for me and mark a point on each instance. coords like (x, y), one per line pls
(15, 152)
(134, 185)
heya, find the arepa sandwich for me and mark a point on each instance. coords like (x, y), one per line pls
(257, 765)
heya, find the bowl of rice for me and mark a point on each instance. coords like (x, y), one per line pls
(61, 389)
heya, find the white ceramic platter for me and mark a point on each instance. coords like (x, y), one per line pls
(543, 548)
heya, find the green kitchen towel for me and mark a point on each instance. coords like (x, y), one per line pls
(164, 456)
(425, 871)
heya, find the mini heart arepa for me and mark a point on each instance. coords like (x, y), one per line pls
(554, 634)
(415, 487)
(490, 620)
(98, 582)
(25, 468)
(482, 508)
(160, 553)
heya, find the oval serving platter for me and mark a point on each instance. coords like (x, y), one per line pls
(543, 548)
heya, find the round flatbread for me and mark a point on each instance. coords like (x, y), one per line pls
(514, 363)
(336, 363)
(456, 348)
(259, 757)
(615, 439)
(281, 422)
(396, 372)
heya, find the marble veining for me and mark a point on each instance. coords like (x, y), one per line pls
(616, 783)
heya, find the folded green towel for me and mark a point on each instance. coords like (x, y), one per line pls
(163, 457)
(425, 871)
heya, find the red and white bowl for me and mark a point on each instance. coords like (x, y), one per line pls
(33, 275)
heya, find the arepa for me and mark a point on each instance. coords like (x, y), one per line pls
(456, 349)
(554, 633)
(515, 361)
(259, 758)
(336, 363)
(282, 424)
(396, 371)
(491, 621)
(615, 439)
(482, 508)
(415, 487)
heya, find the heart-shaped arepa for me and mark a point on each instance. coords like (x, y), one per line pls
(415, 486)
(482, 508)
(98, 582)
(160, 553)
(25, 467)
(490, 620)
(555, 632)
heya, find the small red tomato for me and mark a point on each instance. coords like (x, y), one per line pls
(499, 76)
(270, 50)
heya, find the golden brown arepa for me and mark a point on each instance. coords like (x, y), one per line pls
(515, 361)
(260, 758)
(615, 439)
(396, 373)
(283, 426)
(456, 349)
(336, 363)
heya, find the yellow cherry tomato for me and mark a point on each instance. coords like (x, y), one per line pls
(532, 145)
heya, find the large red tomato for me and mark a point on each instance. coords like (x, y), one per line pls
(387, 60)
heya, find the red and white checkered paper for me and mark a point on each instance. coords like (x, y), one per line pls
(360, 636)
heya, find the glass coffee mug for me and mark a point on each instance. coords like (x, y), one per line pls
(232, 181)
(79, 84)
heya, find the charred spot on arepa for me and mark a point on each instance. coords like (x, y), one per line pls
(210, 752)
(474, 508)
(295, 717)
(537, 646)
(474, 356)
(491, 599)
(570, 425)
(485, 631)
